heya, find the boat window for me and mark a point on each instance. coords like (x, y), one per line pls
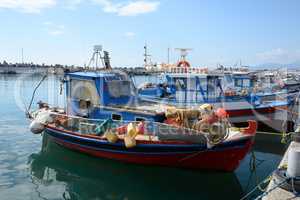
(84, 90)
(116, 117)
(228, 78)
(238, 82)
(111, 78)
(203, 83)
(180, 85)
(117, 88)
(211, 86)
(140, 119)
(191, 84)
(246, 83)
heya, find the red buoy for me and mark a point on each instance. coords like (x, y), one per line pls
(221, 113)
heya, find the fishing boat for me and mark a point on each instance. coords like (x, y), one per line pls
(105, 118)
(190, 89)
(236, 92)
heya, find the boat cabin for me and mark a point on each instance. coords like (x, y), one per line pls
(243, 81)
(194, 87)
(106, 95)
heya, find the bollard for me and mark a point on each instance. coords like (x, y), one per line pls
(293, 169)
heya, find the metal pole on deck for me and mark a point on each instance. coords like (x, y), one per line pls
(168, 55)
(22, 56)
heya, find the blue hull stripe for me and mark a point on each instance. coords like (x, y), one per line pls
(119, 147)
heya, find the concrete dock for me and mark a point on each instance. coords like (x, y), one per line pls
(278, 193)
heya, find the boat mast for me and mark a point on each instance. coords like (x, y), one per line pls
(146, 57)
(168, 56)
(22, 56)
(97, 57)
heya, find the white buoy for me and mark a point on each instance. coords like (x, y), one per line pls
(297, 129)
(42, 117)
(36, 127)
(293, 168)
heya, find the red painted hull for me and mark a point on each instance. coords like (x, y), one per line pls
(225, 156)
(227, 160)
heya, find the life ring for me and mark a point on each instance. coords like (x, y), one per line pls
(184, 64)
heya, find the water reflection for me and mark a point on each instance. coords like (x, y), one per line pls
(271, 143)
(70, 175)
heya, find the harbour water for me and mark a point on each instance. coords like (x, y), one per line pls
(33, 167)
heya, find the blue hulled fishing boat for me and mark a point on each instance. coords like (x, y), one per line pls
(237, 92)
(105, 117)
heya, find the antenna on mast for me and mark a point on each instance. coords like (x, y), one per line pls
(106, 59)
(97, 57)
(183, 52)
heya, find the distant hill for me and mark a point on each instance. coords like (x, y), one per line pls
(295, 65)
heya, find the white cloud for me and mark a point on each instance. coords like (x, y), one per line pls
(122, 8)
(130, 34)
(138, 7)
(28, 6)
(279, 55)
(72, 4)
(133, 8)
(54, 29)
(56, 32)
(48, 23)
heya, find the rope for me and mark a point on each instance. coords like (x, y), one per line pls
(265, 193)
(33, 94)
(270, 190)
(253, 165)
(256, 187)
(284, 134)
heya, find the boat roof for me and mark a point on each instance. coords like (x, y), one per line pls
(240, 73)
(191, 75)
(83, 74)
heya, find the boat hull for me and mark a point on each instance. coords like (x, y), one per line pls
(224, 157)
(276, 118)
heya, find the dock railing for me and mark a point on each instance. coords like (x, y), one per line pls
(187, 70)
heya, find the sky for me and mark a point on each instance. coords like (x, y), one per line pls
(218, 31)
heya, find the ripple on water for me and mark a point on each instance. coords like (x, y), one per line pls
(22, 191)
(6, 182)
(8, 156)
